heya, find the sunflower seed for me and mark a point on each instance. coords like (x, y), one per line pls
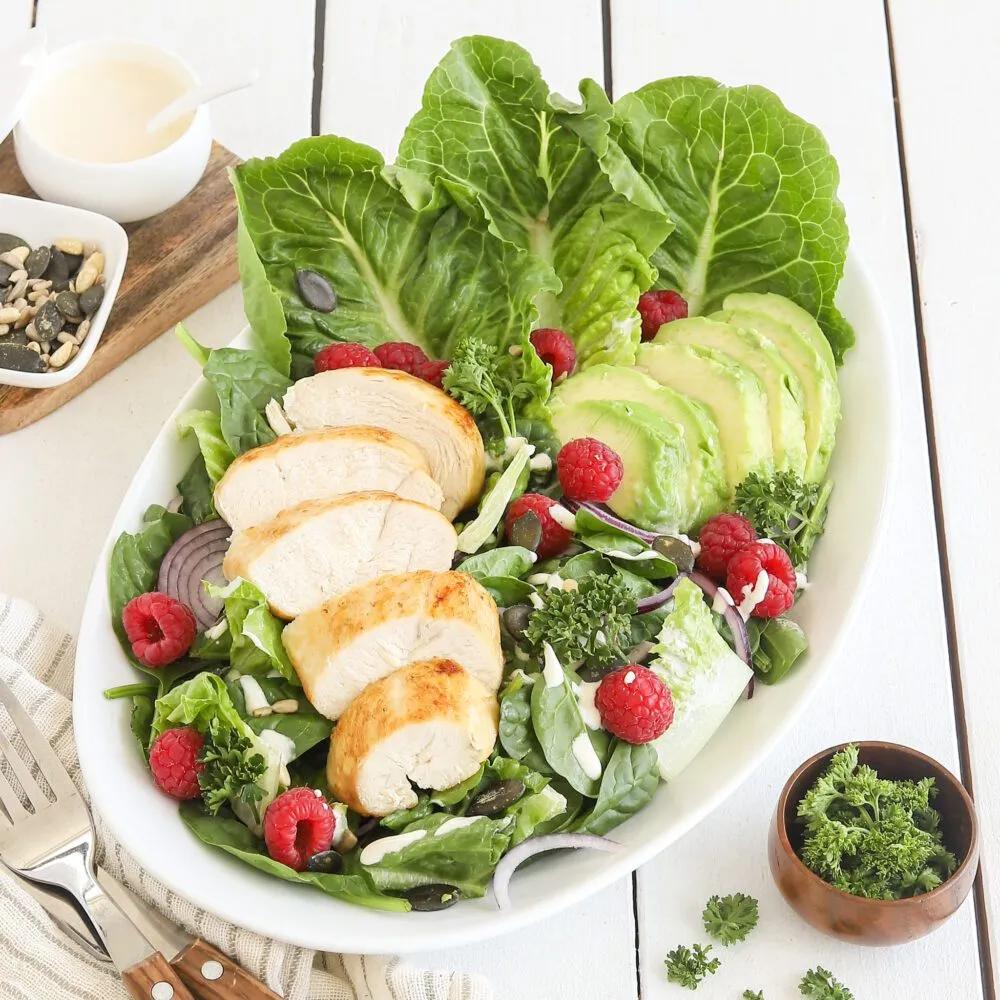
(287, 706)
(15, 257)
(70, 246)
(62, 355)
(8, 314)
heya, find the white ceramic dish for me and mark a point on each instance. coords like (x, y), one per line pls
(41, 222)
(147, 822)
(127, 191)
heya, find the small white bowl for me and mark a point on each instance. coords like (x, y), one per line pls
(126, 191)
(41, 222)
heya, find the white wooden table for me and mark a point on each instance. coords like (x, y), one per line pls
(902, 93)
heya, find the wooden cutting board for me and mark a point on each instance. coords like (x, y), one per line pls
(177, 261)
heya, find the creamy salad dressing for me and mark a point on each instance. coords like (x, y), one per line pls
(752, 596)
(456, 823)
(552, 671)
(378, 849)
(586, 692)
(722, 600)
(121, 96)
(586, 756)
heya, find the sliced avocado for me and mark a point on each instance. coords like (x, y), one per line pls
(821, 394)
(732, 393)
(654, 492)
(784, 310)
(706, 475)
(785, 405)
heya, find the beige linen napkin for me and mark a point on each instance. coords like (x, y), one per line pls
(37, 962)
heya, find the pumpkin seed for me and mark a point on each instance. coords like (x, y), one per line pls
(436, 896)
(5, 272)
(20, 358)
(677, 551)
(326, 863)
(496, 797)
(69, 305)
(316, 291)
(515, 619)
(58, 270)
(527, 531)
(37, 261)
(91, 299)
(9, 241)
(49, 321)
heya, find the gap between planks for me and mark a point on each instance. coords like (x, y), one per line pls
(954, 657)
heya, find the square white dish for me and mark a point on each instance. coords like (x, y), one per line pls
(41, 222)
(148, 825)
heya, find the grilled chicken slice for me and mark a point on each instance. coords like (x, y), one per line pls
(375, 628)
(430, 724)
(380, 397)
(320, 548)
(320, 465)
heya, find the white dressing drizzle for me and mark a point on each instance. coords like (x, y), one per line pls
(722, 600)
(586, 692)
(752, 596)
(586, 756)
(456, 823)
(552, 671)
(378, 849)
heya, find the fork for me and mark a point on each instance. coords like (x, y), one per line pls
(52, 842)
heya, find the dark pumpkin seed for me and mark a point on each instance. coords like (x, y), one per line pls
(316, 291)
(526, 531)
(677, 551)
(5, 272)
(8, 242)
(495, 798)
(68, 303)
(91, 299)
(326, 863)
(515, 619)
(19, 358)
(436, 896)
(37, 261)
(58, 270)
(73, 262)
(48, 321)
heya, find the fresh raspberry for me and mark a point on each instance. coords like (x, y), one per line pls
(555, 538)
(745, 568)
(634, 704)
(589, 470)
(173, 759)
(657, 308)
(556, 349)
(298, 824)
(160, 628)
(401, 356)
(345, 356)
(433, 372)
(721, 538)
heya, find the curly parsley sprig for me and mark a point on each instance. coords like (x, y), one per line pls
(230, 771)
(785, 509)
(730, 918)
(753, 995)
(819, 984)
(689, 966)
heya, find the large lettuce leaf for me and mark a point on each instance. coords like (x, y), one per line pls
(752, 189)
(539, 171)
(425, 275)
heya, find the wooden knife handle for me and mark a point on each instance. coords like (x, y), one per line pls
(155, 979)
(213, 976)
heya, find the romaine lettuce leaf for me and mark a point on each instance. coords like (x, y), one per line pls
(705, 677)
(207, 429)
(538, 169)
(425, 275)
(752, 189)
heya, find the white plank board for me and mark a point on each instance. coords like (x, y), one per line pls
(216, 37)
(15, 14)
(896, 655)
(955, 218)
(377, 57)
(378, 54)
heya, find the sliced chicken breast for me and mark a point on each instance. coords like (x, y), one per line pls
(397, 401)
(320, 548)
(430, 725)
(375, 628)
(320, 465)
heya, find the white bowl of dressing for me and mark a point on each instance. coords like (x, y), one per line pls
(82, 141)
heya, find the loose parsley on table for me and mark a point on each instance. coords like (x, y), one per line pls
(689, 966)
(592, 623)
(229, 772)
(870, 836)
(753, 995)
(785, 509)
(730, 918)
(819, 984)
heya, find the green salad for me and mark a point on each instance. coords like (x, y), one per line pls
(603, 333)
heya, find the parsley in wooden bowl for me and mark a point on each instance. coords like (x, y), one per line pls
(874, 843)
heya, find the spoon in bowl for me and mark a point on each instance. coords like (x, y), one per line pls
(197, 96)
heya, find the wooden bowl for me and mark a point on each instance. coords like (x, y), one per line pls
(875, 921)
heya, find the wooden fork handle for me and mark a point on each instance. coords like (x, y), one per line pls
(213, 976)
(155, 979)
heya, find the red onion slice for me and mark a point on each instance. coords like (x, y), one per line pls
(196, 556)
(603, 514)
(661, 597)
(538, 845)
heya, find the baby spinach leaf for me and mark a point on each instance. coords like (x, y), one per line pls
(517, 735)
(777, 646)
(627, 785)
(638, 557)
(140, 721)
(231, 836)
(752, 189)
(195, 489)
